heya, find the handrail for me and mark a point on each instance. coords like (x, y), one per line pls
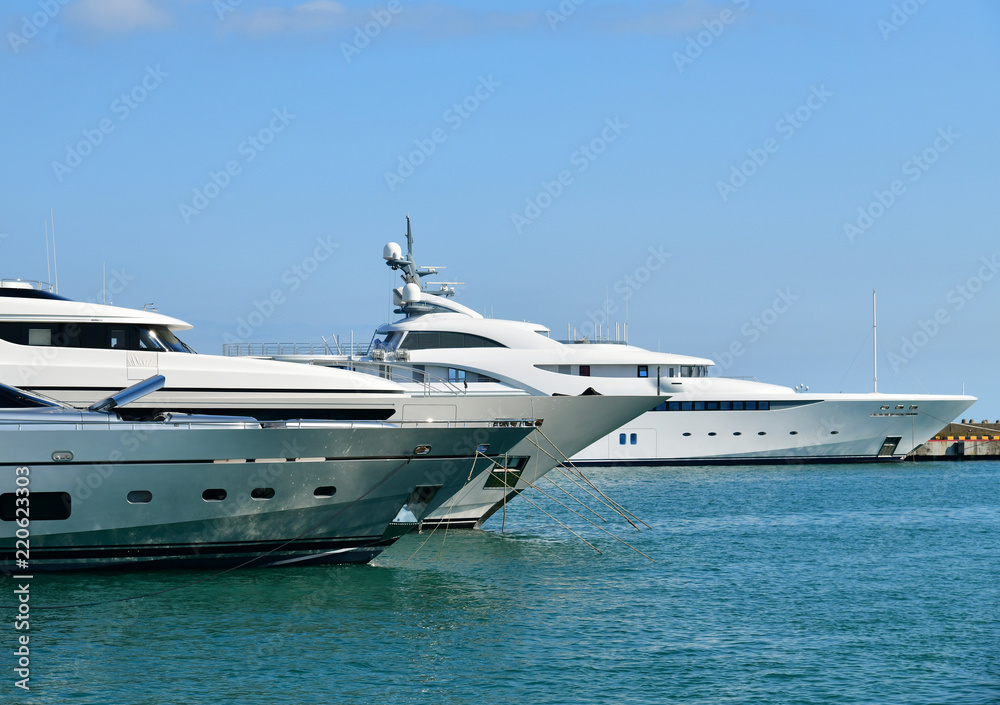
(270, 349)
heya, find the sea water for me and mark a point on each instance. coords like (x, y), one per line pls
(767, 584)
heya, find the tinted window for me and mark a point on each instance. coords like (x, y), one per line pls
(43, 506)
(92, 335)
(433, 340)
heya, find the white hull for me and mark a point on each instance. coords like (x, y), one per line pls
(487, 492)
(839, 429)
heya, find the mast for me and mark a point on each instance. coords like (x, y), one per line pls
(55, 261)
(409, 240)
(875, 340)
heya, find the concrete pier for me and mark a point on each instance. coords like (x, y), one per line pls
(967, 440)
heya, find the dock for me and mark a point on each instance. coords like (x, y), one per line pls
(966, 440)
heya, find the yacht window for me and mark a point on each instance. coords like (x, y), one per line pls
(763, 406)
(699, 406)
(621, 439)
(737, 406)
(644, 370)
(386, 342)
(726, 405)
(433, 340)
(456, 375)
(685, 371)
(674, 405)
(39, 336)
(751, 406)
(585, 370)
(101, 336)
(632, 439)
(712, 405)
(670, 372)
(662, 406)
(45, 506)
(686, 406)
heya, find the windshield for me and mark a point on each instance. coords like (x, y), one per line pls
(162, 339)
(11, 398)
(383, 341)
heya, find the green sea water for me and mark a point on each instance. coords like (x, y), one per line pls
(769, 584)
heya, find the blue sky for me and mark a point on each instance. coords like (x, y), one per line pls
(748, 171)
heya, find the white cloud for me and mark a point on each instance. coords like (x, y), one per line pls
(440, 19)
(118, 16)
(326, 15)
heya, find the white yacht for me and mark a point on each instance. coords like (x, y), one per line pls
(85, 489)
(707, 420)
(80, 352)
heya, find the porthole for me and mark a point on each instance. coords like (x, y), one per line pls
(139, 497)
(421, 450)
(737, 433)
(686, 433)
(262, 493)
(793, 433)
(712, 433)
(834, 433)
(761, 433)
(214, 495)
(327, 491)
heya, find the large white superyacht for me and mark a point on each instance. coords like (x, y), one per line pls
(707, 420)
(80, 352)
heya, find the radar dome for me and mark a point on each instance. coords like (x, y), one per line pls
(392, 251)
(411, 293)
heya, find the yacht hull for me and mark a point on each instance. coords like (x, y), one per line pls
(850, 428)
(570, 424)
(143, 496)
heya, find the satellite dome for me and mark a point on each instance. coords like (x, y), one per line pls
(392, 251)
(411, 293)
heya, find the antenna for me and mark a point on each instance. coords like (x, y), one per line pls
(55, 261)
(409, 239)
(628, 290)
(48, 266)
(104, 283)
(875, 340)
